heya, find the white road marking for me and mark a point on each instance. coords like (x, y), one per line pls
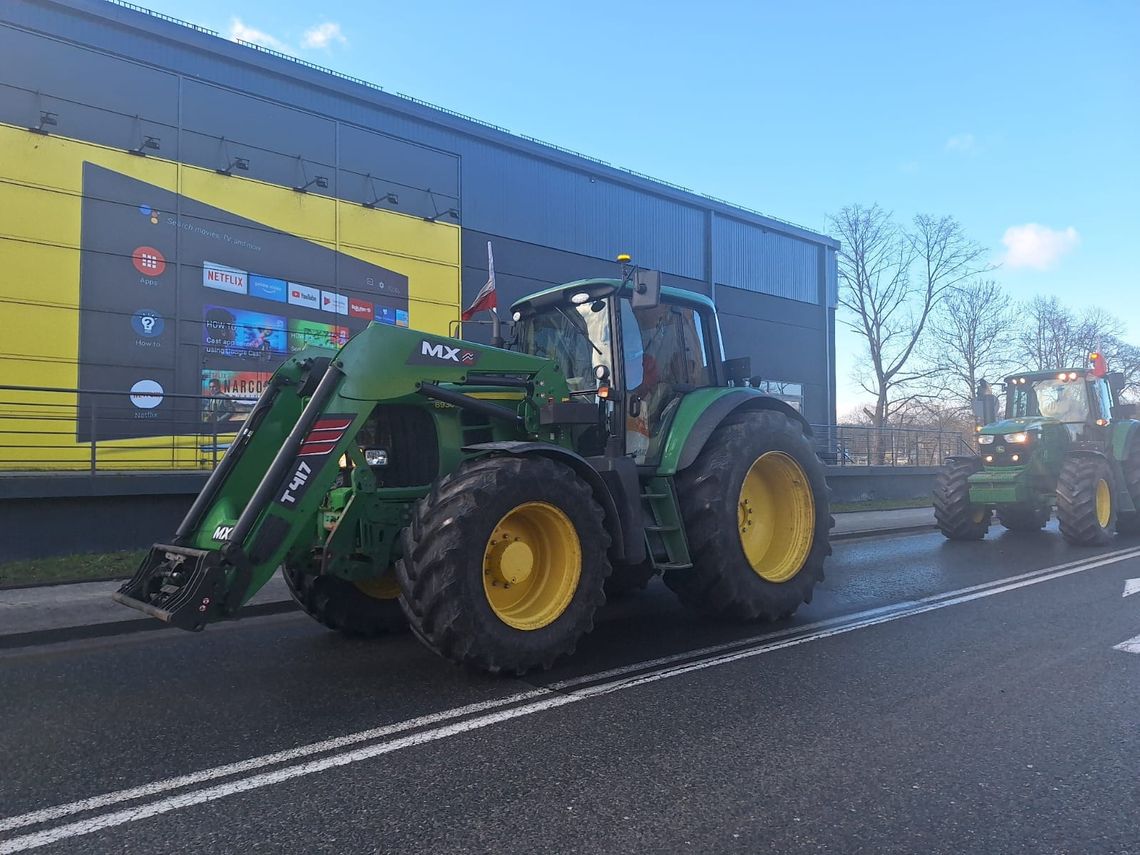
(1132, 645)
(1131, 586)
(549, 700)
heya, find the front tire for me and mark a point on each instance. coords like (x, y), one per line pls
(958, 519)
(755, 507)
(1086, 500)
(361, 609)
(504, 564)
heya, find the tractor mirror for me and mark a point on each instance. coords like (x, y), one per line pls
(646, 289)
(985, 409)
(738, 370)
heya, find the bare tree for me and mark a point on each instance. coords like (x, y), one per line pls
(972, 334)
(892, 280)
(1054, 336)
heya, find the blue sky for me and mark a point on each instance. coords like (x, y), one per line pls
(1021, 119)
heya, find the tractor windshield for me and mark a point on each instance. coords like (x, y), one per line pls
(1063, 400)
(577, 337)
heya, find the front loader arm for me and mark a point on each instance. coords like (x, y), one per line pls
(262, 500)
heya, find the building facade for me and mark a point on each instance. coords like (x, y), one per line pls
(178, 212)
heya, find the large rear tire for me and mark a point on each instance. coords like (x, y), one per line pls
(1128, 522)
(362, 609)
(504, 564)
(755, 507)
(1086, 500)
(1023, 517)
(958, 519)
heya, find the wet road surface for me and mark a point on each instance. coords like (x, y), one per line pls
(933, 697)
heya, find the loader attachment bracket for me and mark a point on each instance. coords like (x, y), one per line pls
(184, 587)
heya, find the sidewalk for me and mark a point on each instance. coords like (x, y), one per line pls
(85, 609)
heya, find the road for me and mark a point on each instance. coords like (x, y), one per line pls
(934, 697)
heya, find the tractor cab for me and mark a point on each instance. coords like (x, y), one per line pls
(634, 353)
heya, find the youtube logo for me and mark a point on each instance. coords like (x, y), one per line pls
(302, 295)
(359, 309)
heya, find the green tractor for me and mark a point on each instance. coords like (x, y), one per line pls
(1066, 442)
(489, 498)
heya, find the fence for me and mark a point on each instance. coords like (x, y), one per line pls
(44, 428)
(863, 445)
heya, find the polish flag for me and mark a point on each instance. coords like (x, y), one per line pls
(487, 298)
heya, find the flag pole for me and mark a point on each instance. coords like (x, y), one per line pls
(496, 334)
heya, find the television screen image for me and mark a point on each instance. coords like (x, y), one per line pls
(241, 333)
(304, 334)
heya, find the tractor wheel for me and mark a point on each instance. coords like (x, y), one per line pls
(1128, 522)
(629, 578)
(361, 609)
(956, 517)
(504, 563)
(1086, 503)
(755, 507)
(1023, 517)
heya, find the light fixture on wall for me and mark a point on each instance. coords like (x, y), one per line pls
(390, 198)
(239, 163)
(147, 144)
(319, 180)
(450, 212)
(47, 120)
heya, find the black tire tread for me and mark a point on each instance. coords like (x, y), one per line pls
(1076, 500)
(448, 528)
(952, 509)
(628, 579)
(721, 583)
(339, 605)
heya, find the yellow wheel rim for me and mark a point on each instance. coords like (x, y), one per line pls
(531, 566)
(381, 588)
(776, 517)
(1103, 503)
(979, 515)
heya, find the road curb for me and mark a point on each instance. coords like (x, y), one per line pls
(108, 629)
(879, 532)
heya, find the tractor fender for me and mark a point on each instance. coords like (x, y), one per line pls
(1121, 436)
(581, 467)
(701, 412)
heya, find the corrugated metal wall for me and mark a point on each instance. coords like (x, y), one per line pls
(757, 259)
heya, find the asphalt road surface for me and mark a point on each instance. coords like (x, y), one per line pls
(934, 697)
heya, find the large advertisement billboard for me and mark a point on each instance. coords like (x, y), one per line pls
(168, 294)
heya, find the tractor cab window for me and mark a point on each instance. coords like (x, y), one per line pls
(577, 337)
(1064, 400)
(671, 345)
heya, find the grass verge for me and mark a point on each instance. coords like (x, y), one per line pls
(70, 568)
(880, 505)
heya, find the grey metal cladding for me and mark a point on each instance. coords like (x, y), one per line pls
(756, 259)
(40, 64)
(368, 153)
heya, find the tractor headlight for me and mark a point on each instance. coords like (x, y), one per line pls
(985, 439)
(376, 456)
(1018, 438)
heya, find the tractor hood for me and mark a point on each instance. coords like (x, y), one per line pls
(1015, 425)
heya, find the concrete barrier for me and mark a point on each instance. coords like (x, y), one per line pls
(47, 514)
(866, 483)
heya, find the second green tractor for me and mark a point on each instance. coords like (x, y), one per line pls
(1066, 443)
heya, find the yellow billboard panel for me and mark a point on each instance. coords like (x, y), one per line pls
(144, 303)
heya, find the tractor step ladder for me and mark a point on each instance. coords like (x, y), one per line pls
(661, 503)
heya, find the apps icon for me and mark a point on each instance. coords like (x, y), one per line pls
(148, 261)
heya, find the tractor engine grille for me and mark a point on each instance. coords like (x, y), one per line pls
(409, 436)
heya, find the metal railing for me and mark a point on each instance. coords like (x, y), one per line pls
(46, 428)
(865, 445)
